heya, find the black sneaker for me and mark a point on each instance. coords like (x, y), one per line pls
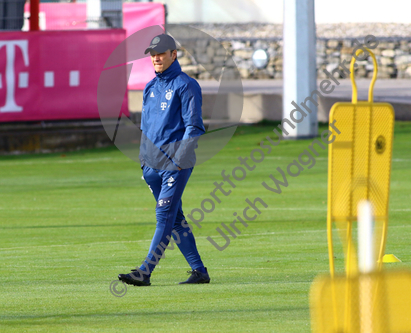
(197, 277)
(132, 278)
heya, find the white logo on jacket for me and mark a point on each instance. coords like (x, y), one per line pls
(163, 105)
(169, 94)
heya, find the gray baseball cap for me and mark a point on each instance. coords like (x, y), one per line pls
(161, 43)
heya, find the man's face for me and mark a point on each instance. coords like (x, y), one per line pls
(161, 61)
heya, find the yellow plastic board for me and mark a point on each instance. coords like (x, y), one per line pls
(389, 258)
(373, 303)
(359, 168)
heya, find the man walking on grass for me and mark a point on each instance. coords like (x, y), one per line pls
(171, 124)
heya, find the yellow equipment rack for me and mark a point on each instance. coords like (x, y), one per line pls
(359, 168)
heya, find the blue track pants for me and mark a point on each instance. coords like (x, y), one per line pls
(168, 187)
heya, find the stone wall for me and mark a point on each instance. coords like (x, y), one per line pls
(393, 57)
(204, 58)
(334, 43)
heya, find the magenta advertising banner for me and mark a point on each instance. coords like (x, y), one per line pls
(53, 75)
(136, 16)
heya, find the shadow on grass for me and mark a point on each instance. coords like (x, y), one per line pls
(144, 313)
(79, 225)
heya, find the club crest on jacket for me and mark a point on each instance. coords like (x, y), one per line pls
(169, 94)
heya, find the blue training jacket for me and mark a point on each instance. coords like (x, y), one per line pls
(171, 119)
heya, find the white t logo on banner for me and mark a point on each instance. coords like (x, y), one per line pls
(11, 105)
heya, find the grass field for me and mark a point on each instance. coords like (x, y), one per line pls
(71, 223)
